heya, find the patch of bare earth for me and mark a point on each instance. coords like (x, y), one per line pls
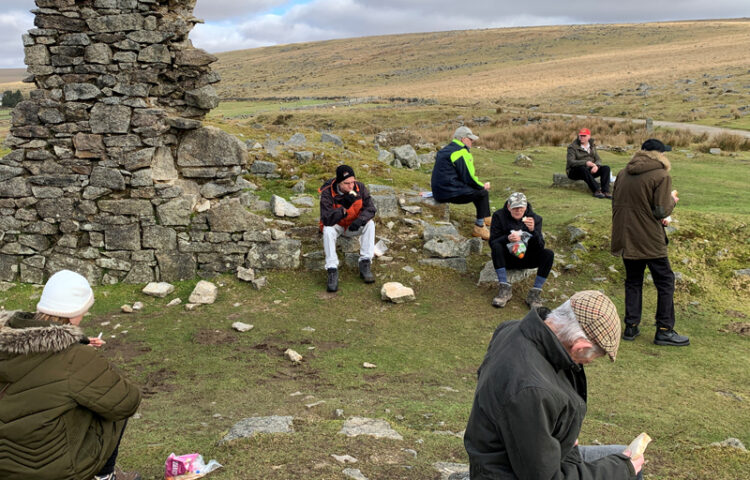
(214, 337)
(740, 328)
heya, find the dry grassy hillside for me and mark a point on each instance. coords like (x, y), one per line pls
(517, 63)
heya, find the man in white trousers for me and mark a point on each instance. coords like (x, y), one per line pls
(346, 208)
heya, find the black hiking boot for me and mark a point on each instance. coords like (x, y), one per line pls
(631, 331)
(333, 280)
(534, 298)
(503, 295)
(364, 271)
(670, 338)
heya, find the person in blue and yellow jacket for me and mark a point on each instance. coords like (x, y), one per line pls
(455, 181)
(346, 208)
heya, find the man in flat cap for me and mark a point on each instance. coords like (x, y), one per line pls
(346, 208)
(641, 208)
(455, 181)
(530, 399)
(583, 163)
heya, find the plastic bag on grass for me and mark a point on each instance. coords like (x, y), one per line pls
(188, 467)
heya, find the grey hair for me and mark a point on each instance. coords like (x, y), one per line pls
(568, 330)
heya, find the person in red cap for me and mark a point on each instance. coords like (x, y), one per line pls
(584, 164)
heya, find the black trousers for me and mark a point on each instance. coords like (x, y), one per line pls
(109, 467)
(480, 199)
(584, 173)
(663, 276)
(534, 258)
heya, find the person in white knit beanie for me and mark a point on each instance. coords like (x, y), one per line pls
(66, 298)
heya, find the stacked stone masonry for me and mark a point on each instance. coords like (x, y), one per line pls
(109, 159)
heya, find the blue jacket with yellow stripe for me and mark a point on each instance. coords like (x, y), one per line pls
(453, 174)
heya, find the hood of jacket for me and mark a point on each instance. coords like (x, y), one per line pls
(646, 161)
(20, 334)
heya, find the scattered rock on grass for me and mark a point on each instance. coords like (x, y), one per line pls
(449, 470)
(344, 458)
(397, 293)
(282, 208)
(354, 473)
(730, 442)
(373, 427)
(249, 426)
(242, 327)
(158, 289)
(369, 365)
(137, 306)
(204, 292)
(126, 309)
(174, 301)
(293, 356)
(245, 274)
(259, 283)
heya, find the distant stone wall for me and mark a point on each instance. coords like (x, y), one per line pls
(111, 172)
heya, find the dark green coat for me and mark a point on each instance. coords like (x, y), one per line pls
(641, 198)
(528, 409)
(577, 156)
(64, 406)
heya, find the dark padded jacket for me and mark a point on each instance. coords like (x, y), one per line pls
(503, 222)
(453, 174)
(577, 156)
(641, 198)
(333, 213)
(528, 409)
(63, 406)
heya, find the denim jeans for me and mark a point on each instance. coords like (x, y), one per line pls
(589, 453)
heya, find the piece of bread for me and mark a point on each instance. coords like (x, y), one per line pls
(638, 445)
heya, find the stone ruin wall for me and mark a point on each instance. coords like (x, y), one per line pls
(111, 172)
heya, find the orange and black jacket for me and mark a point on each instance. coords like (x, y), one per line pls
(333, 213)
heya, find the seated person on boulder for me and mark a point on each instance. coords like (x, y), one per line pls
(517, 225)
(454, 180)
(64, 406)
(584, 164)
(346, 208)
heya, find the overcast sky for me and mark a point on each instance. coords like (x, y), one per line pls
(239, 24)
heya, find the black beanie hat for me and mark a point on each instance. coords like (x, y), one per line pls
(654, 144)
(343, 172)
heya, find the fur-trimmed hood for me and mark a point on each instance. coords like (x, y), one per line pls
(647, 160)
(21, 335)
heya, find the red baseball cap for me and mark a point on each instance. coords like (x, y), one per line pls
(584, 131)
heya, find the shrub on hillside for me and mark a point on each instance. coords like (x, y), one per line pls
(11, 99)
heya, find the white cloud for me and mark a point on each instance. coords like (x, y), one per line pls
(13, 24)
(239, 24)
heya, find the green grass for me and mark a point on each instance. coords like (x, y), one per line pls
(201, 377)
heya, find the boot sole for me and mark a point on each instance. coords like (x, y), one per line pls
(671, 344)
(630, 339)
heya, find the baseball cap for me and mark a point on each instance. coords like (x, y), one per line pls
(584, 131)
(657, 145)
(598, 318)
(464, 132)
(517, 199)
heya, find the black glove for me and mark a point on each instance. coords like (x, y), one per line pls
(347, 200)
(356, 224)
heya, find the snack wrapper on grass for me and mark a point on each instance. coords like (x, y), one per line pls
(188, 467)
(638, 445)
